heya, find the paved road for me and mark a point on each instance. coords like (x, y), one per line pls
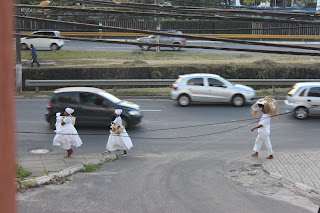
(92, 46)
(172, 175)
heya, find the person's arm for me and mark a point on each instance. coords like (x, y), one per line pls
(257, 127)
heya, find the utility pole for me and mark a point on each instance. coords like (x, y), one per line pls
(158, 27)
(7, 118)
(18, 55)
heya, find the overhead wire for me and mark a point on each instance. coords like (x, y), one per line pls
(179, 16)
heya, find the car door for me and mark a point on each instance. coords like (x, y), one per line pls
(196, 89)
(217, 91)
(34, 41)
(95, 109)
(313, 98)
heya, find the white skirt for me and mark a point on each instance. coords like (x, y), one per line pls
(66, 136)
(119, 142)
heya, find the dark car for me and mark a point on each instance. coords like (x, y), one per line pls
(92, 106)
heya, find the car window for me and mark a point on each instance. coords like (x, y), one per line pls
(195, 82)
(314, 92)
(214, 82)
(302, 92)
(90, 99)
(67, 98)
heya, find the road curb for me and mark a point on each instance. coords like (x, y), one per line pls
(34, 182)
(299, 185)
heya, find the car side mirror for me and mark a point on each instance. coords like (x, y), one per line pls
(224, 86)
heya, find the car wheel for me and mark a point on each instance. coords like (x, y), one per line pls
(301, 113)
(176, 48)
(24, 47)
(54, 47)
(124, 122)
(52, 123)
(184, 100)
(145, 47)
(238, 100)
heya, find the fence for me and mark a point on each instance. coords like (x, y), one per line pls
(188, 26)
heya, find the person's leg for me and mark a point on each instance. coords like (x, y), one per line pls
(32, 62)
(68, 155)
(257, 145)
(269, 146)
(36, 60)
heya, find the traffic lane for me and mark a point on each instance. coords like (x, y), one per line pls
(287, 133)
(95, 46)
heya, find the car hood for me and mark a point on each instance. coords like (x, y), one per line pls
(129, 105)
(243, 87)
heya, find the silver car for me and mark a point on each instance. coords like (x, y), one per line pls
(163, 40)
(210, 88)
(304, 99)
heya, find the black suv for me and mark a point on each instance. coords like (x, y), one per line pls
(91, 106)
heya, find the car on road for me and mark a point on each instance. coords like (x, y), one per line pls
(304, 99)
(42, 43)
(210, 88)
(92, 106)
(163, 40)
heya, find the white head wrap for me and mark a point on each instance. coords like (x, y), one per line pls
(69, 110)
(118, 111)
(255, 106)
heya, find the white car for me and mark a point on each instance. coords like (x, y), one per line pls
(43, 43)
(210, 88)
(304, 99)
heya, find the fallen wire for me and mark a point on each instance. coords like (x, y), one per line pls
(120, 29)
(168, 138)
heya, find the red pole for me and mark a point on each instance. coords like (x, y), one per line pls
(7, 109)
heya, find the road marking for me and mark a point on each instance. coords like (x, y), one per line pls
(151, 110)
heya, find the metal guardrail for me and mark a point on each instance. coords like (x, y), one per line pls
(156, 82)
(239, 36)
(252, 36)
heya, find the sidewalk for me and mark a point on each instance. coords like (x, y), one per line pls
(301, 169)
(45, 167)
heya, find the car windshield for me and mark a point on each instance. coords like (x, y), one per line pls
(110, 97)
(225, 81)
(293, 91)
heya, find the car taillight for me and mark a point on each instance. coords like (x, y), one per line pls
(183, 40)
(49, 105)
(175, 88)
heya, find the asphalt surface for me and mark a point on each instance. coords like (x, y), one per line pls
(95, 46)
(183, 170)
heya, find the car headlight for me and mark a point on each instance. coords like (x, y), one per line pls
(133, 112)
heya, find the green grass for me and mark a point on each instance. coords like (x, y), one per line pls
(90, 167)
(152, 55)
(21, 173)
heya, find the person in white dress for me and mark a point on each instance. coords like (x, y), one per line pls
(269, 109)
(66, 134)
(119, 141)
